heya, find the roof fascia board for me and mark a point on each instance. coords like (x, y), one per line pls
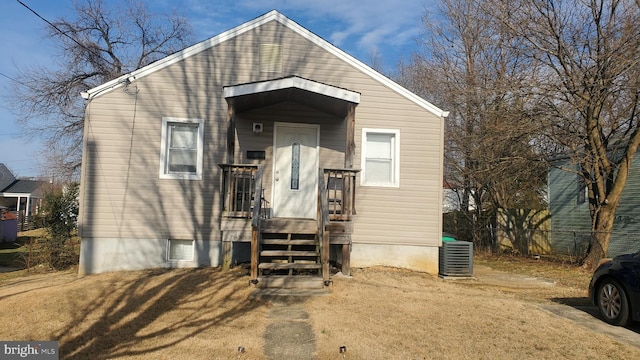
(229, 34)
(292, 82)
(14, 194)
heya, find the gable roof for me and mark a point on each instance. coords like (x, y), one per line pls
(6, 177)
(10, 185)
(23, 187)
(250, 25)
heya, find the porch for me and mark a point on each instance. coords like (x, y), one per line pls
(288, 183)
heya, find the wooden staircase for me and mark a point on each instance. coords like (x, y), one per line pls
(289, 254)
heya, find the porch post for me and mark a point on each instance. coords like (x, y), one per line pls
(346, 259)
(227, 246)
(348, 164)
(231, 131)
(351, 129)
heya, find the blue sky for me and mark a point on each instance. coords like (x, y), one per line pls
(359, 27)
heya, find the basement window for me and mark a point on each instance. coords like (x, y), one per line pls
(180, 250)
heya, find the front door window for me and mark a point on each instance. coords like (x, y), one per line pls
(295, 166)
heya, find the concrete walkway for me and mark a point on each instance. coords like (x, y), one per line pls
(588, 317)
(289, 334)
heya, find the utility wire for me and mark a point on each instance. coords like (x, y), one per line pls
(52, 25)
(10, 78)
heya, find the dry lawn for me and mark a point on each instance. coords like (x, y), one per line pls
(379, 313)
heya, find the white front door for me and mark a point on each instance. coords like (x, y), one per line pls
(295, 170)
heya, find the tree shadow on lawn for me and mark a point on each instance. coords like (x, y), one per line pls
(584, 305)
(162, 309)
(24, 279)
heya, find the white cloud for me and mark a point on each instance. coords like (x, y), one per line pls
(367, 23)
(359, 27)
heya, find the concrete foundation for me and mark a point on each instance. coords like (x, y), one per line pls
(419, 258)
(99, 255)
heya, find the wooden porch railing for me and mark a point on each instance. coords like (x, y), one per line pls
(25, 222)
(240, 191)
(340, 193)
(243, 199)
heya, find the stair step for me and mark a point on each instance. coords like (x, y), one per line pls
(286, 225)
(289, 242)
(291, 282)
(288, 253)
(284, 266)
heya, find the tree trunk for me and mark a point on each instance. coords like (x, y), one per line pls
(600, 236)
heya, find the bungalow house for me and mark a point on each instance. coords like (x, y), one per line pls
(265, 144)
(570, 221)
(23, 197)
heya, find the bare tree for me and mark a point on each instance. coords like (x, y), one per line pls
(100, 44)
(376, 61)
(470, 65)
(589, 52)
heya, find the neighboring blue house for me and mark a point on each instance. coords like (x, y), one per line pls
(570, 219)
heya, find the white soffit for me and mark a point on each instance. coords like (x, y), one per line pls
(292, 82)
(250, 25)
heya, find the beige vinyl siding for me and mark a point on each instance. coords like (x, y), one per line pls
(122, 195)
(124, 178)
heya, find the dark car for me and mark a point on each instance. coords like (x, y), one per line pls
(615, 289)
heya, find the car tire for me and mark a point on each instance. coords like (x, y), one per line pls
(612, 302)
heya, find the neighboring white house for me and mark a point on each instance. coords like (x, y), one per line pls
(23, 197)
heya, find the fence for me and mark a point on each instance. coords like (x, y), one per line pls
(571, 244)
(26, 222)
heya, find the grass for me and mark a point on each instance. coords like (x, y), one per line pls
(17, 254)
(12, 254)
(565, 274)
(379, 313)
(33, 233)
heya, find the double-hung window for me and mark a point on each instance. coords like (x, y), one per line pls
(380, 157)
(181, 148)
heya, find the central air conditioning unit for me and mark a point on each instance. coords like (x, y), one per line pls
(456, 259)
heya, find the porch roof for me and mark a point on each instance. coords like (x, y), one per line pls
(323, 97)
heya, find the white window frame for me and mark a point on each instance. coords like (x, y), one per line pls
(190, 256)
(164, 149)
(395, 158)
